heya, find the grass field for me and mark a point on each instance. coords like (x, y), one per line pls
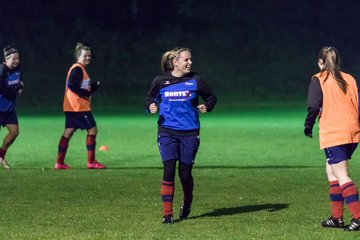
(256, 177)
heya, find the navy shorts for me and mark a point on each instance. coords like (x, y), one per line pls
(8, 118)
(79, 120)
(340, 153)
(183, 148)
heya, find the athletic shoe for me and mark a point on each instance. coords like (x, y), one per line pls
(333, 223)
(185, 210)
(61, 166)
(4, 163)
(354, 226)
(95, 165)
(168, 219)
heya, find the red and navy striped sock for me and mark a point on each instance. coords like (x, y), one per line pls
(167, 194)
(336, 199)
(350, 193)
(90, 145)
(63, 146)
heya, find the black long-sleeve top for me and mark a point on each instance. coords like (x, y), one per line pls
(74, 83)
(314, 102)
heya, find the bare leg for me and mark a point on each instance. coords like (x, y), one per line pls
(11, 136)
(13, 132)
(93, 131)
(340, 171)
(68, 132)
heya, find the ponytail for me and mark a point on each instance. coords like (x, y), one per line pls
(331, 60)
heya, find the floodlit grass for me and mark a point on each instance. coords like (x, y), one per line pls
(256, 177)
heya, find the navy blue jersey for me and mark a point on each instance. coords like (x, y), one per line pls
(9, 86)
(178, 98)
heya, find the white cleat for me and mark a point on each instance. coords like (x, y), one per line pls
(4, 163)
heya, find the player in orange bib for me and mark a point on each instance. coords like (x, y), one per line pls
(333, 98)
(77, 108)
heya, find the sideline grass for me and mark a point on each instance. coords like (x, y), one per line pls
(256, 177)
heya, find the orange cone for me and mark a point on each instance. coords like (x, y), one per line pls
(103, 148)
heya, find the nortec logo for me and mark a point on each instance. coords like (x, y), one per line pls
(13, 82)
(177, 94)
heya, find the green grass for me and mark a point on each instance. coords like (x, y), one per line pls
(256, 177)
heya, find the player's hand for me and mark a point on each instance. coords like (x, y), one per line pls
(308, 132)
(153, 108)
(21, 89)
(202, 108)
(93, 86)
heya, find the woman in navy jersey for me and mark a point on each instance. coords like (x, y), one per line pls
(176, 92)
(10, 86)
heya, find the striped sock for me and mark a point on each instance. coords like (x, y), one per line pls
(90, 145)
(167, 194)
(63, 146)
(350, 193)
(336, 199)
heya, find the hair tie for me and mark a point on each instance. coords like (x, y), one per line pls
(10, 51)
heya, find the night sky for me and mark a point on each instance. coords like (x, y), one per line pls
(249, 50)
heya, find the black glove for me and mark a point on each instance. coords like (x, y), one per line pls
(95, 85)
(308, 132)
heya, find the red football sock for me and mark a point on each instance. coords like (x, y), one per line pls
(336, 199)
(90, 145)
(167, 193)
(350, 193)
(63, 146)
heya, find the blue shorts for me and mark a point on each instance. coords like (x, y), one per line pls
(79, 120)
(8, 118)
(340, 153)
(183, 148)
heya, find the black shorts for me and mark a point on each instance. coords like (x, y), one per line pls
(79, 120)
(8, 118)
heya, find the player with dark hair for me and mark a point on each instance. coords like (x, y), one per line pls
(77, 108)
(176, 91)
(10, 86)
(333, 98)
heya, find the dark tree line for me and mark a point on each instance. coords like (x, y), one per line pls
(250, 51)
